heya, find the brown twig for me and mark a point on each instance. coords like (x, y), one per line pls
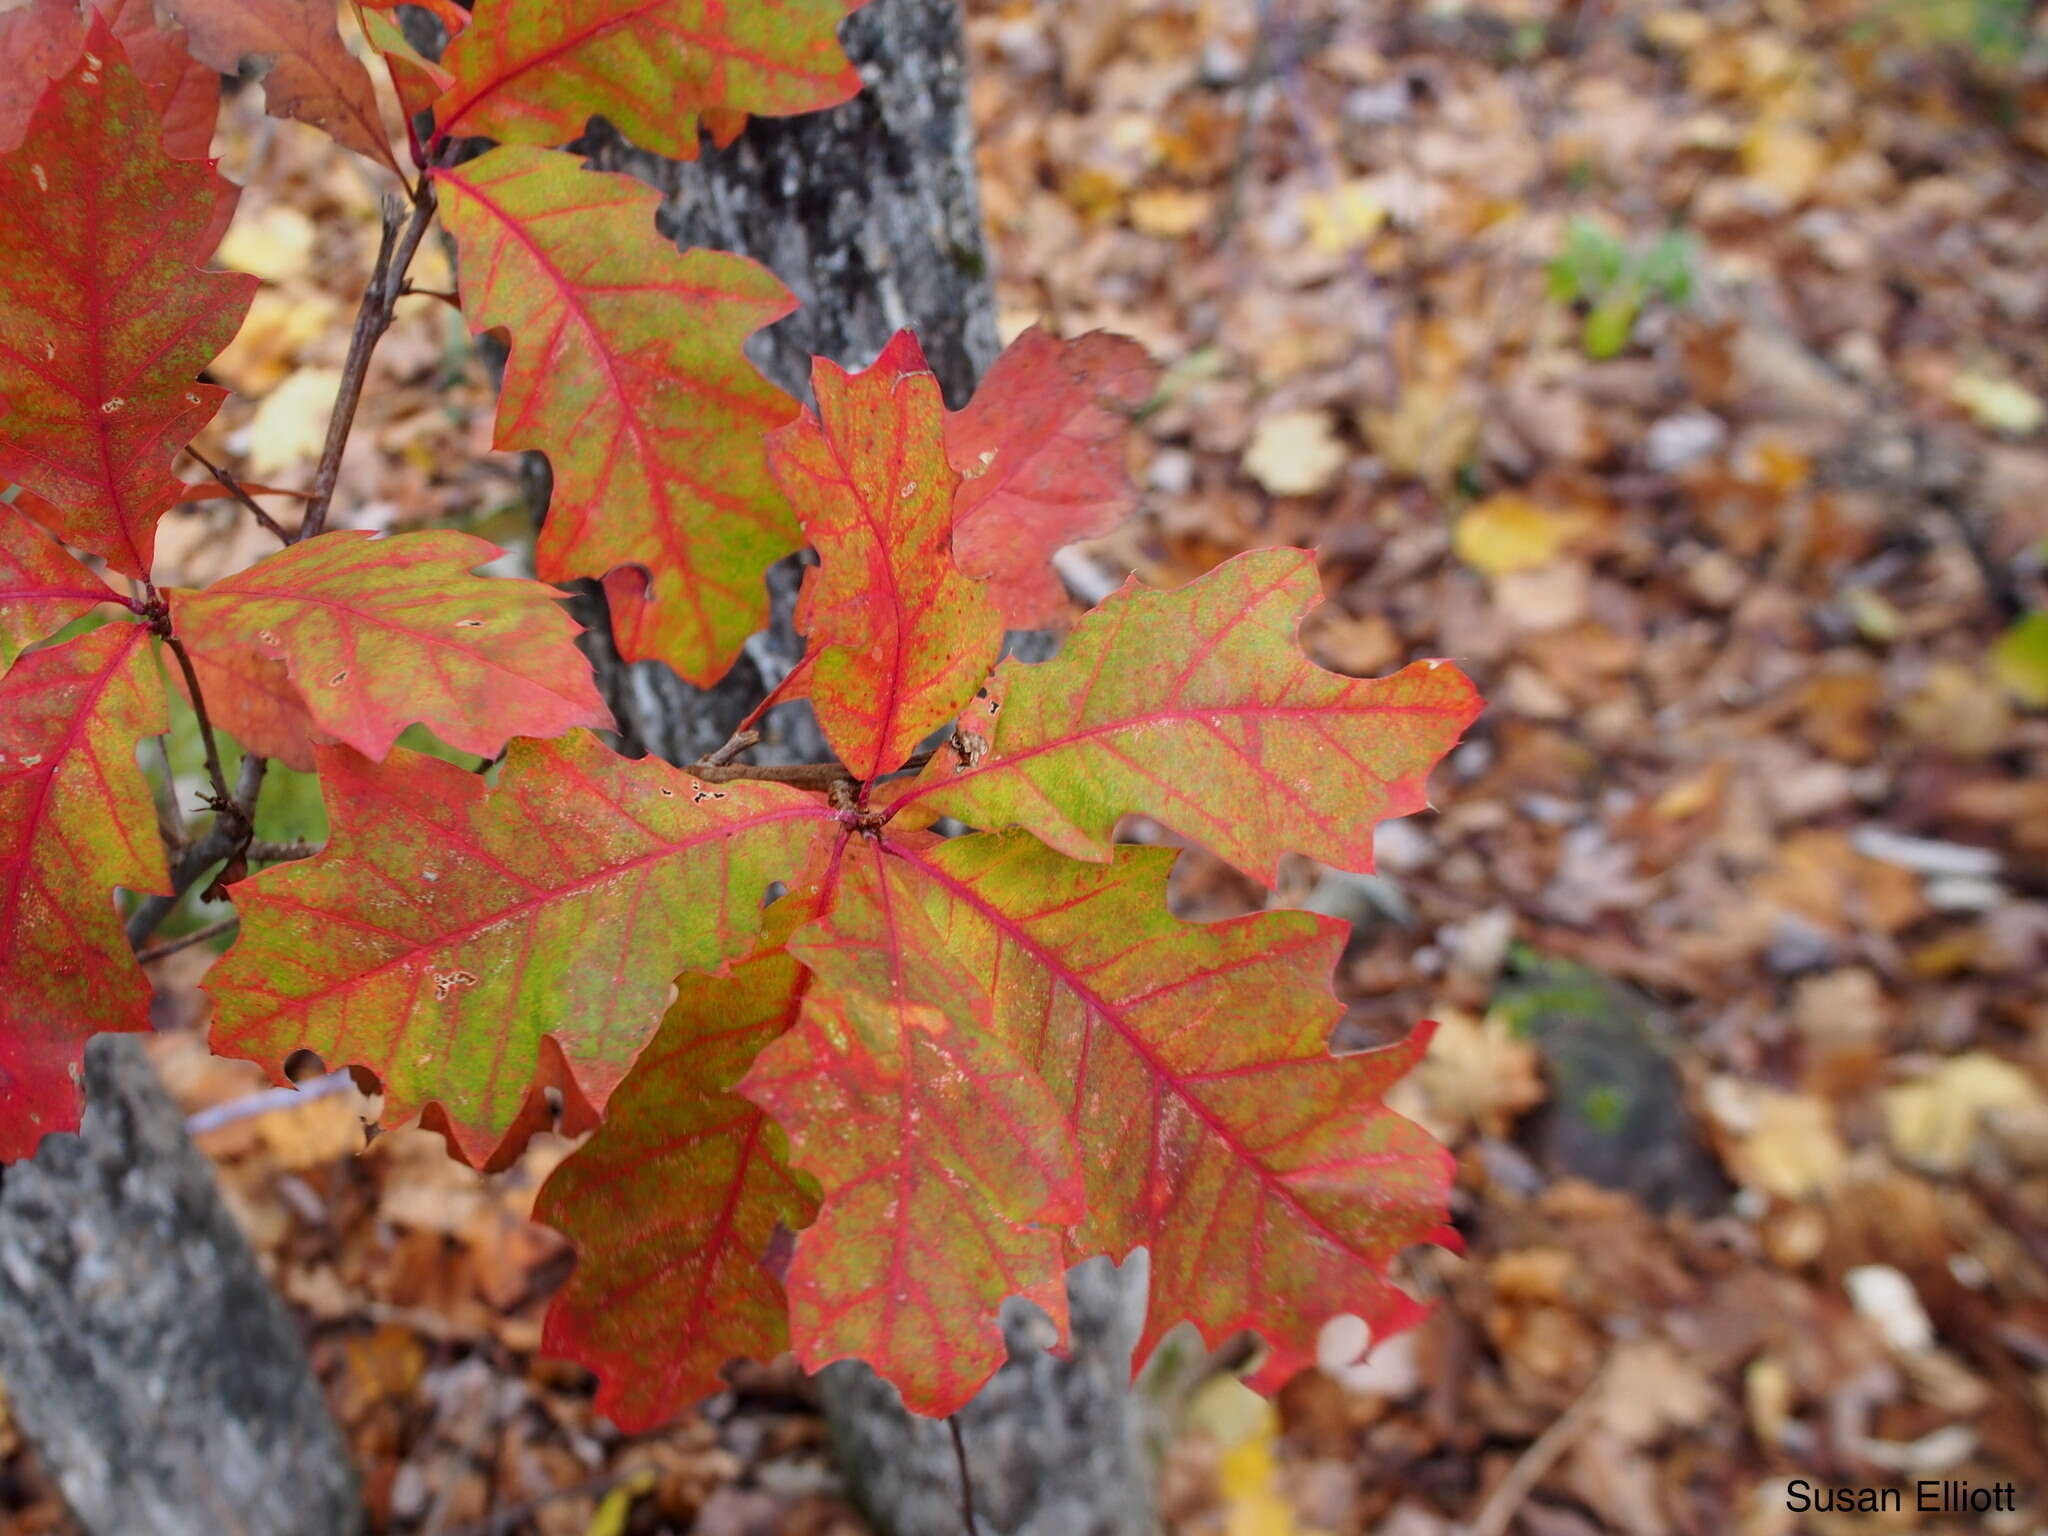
(395, 248)
(966, 1482)
(735, 744)
(226, 837)
(1535, 1463)
(240, 493)
(282, 853)
(223, 800)
(186, 940)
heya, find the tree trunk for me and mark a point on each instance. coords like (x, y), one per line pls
(148, 1360)
(872, 214)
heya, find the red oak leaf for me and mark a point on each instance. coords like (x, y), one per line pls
(42, 40)
(1198, 709)
(944, 1161)
(75, 822)
(350, 638)
(1040, 451)
(447, 929)
(309, 74)
(537, 71)
(627, 371)
(105, 318)
(674, 1203)
(898, 638)
(1266, 1177)
(41, 587)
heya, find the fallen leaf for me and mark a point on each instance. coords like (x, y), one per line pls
(1295, 453)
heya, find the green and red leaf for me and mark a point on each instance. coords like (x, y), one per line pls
(105, 318)
(945, 1163)
(537, 71)
(899, 639)
(350, 638)
(447, 930)
(75, 822)
(627, 371)
(674, 1203)
(1197, 708)
(309, 75)
(41, 587)
(1267, 1178)
(1040, 452)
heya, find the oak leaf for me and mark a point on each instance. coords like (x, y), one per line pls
(41, 587)
(627, 371)
(537, 71)
(350, 638)
(1040, 452)
(1267, 1178)
(309, 75)
(675, 1203)
(898, 637)
(946, 1165)
(1198, 709)
(446, 930)
(105, 318)
(75, 822)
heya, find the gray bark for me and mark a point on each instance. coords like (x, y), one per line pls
(151, 1365)
(871, 213)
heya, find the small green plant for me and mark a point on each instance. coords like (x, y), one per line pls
(1614, 280)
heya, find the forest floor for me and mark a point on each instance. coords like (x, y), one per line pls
(1679, 371)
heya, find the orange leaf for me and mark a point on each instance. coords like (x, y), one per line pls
(945, 1163)
(351, 638)
(898, 638)
(41, 587)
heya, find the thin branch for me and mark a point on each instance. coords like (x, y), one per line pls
(281, 853)
(735, 744)
(226, 837)
(186, 940)
(235, 488)
(170, 816)
(395, 248)
(264, 1100)
(966, 1482)
(222, 799)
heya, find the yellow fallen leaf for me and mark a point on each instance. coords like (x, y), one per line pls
(274, 242)
(1169, 212)
(1998, 405)
(1784, 1144)
(290, 423)
(612, 1510)
(1785, 158)
(1295, 453)
(1505, 533)
(1343, 219)
(1244, 1427)
(1933, 1123)
(1427, 435)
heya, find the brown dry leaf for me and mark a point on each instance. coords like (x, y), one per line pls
(1477, 1075)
